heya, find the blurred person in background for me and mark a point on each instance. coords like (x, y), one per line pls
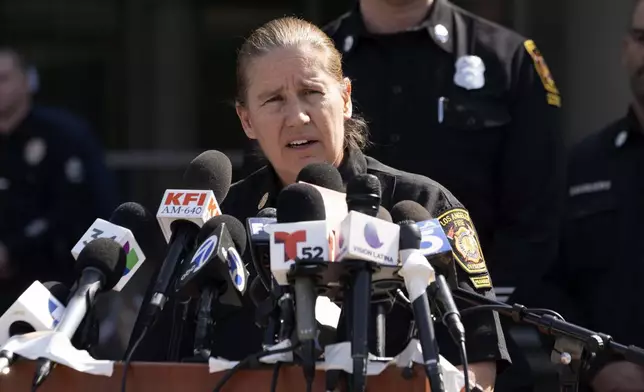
(597, 282)
(53, 184)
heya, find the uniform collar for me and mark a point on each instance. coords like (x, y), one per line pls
(439, 23)
(353, 163)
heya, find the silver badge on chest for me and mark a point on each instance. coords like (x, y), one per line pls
(35, 151)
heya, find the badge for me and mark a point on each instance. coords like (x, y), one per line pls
(74, 170)
(589, 187)
(35, 151)
(348, 44)
(621, 139)
(460, 231)
(441, 33)
(470, 72)
(262, 201)
(553, 97)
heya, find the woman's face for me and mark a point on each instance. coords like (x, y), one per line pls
(295, 109)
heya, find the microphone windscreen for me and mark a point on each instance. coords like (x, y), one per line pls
(235, 228)
(364, 184)
(143, 225)
(59, 291)
(107, 256)
(324, 175)
(210, 170)
(383, 214)
(300, 203)
(408, 210)
(268, 212)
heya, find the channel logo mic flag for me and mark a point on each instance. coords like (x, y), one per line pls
(300, 241)
(124, 237)
(363, 237)
(37, 307)
(196, 206)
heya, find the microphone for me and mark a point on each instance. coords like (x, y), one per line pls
(38, 308)
(101, 264)
(323, 175)
(127, 219)
(436, 248)
(301, 205)
(363, 201)
(215, 272)
(299, 251)
(259, 241)
(417, 273)
(217, 261)
(181, 213)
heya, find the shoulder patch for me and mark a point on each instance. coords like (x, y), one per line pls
(459, 229)
(553, 97)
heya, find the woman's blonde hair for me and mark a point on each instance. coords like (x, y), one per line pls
(293, 32)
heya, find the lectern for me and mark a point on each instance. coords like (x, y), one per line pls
(180, 377)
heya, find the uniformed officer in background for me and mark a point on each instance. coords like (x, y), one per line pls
(470, 104)
(597, 283)
(53, 184)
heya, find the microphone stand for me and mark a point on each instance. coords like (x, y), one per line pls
(203, 329)
(572, 338)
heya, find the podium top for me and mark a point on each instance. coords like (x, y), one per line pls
(162, 377)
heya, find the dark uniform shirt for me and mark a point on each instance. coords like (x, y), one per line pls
(53, 184)
(497, 147)
(597, 283)
(236, 335)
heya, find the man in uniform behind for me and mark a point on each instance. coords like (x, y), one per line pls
(471, 105)
(597, 282)
(53, 184)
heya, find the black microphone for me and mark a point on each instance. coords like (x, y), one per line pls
(100, 264)
(210, 170)
(302, 203)
(259, 244)
(363, 195)
(215, 272)
(323, 175)
(439, 290)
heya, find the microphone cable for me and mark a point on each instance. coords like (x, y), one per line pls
(128, 357)
(276, 374)
(248, 361)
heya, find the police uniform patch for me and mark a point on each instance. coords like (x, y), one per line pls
(35, 151)
(481, 281)
(460, 231)
(553, 96)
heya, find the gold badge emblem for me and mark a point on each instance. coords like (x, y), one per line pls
(262, 201)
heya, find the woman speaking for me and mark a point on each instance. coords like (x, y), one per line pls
(294, 101)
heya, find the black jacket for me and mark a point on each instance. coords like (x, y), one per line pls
(53, 185)
(597, 281)
(498, 148)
